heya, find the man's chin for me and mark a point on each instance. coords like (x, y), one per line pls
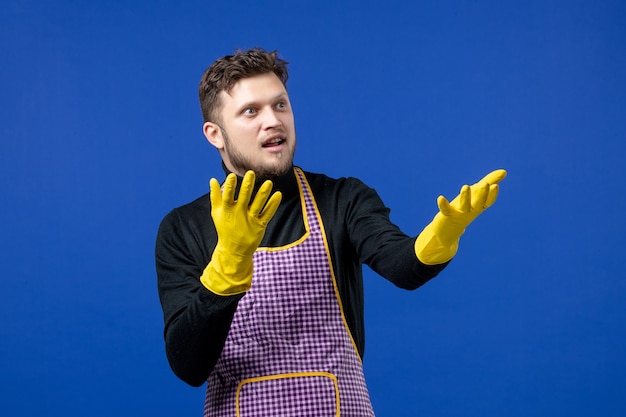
(268, 173)
(263, 171)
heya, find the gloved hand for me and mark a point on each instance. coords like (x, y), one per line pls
(240, 226)
(439, 241)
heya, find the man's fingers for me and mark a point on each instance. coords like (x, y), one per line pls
(261, 198)
(465, 199)
(480, 192)
(494, 177)
(216, 193)
(270, 208)
(493, 194)
(228, 189)
(247, 185)
(444, 206)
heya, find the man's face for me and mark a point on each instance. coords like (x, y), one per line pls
(256, 129)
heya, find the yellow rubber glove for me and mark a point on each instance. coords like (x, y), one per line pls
(439, 241)
(240, 226)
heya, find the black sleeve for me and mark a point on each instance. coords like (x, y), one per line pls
(196, 320)
(380, 243)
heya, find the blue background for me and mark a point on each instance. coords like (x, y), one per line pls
(101, 137)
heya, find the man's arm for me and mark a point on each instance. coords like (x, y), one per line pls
(204, 271)
(196, 320)
(380, 243)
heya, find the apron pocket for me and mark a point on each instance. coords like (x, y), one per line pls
(306, 394)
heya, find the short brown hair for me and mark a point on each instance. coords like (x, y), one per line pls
(224, 73)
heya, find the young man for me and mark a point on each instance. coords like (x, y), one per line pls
(260, 281)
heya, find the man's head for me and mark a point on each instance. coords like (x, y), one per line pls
(247, 113)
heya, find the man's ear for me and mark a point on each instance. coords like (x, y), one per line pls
(213, 134)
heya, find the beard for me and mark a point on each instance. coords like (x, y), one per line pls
(241, 163)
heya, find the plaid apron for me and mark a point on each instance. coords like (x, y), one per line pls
(289, 352)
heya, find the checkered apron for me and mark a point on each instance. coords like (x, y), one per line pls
(289, 352)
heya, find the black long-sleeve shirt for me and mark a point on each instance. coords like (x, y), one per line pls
(358, 230)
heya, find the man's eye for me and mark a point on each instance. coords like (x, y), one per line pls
(249, 110)
(281, 105)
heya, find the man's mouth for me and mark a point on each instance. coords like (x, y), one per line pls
(274, 142)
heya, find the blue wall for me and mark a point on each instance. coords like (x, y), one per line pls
(101, 137)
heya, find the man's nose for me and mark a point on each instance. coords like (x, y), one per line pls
(271, 119)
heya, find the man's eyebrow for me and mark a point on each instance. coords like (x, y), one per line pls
(279, 96)
(251, 103)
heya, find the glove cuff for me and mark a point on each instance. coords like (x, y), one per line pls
(431, 249)
(227, 274)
